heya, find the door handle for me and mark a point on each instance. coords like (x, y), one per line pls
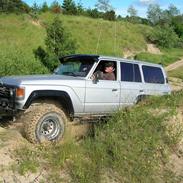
(141, 91)
(114, 89)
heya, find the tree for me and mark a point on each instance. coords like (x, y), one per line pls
(14, 6)
(164, 37)
(80, 9)
(154, 13)
(103, 5)
(109, 15)
(173, 11)
(55, 7)
(69, 7)
(58, 43)
(45, 7)
(132, 11)
(94, 13)
(35, 7)
(167, 15)
(177, 23)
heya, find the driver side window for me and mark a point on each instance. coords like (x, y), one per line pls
(106, 70)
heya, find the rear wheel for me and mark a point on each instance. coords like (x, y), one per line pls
(44, 122)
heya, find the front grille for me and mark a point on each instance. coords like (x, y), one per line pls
(4, 92)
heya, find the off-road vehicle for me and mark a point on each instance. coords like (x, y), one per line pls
(48, 103)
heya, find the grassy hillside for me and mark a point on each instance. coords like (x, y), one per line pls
(133, 146)
(167, 57)
(86, 31)
(19, 35)
(18, 38)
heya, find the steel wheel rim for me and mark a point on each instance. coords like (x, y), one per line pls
(50, 128)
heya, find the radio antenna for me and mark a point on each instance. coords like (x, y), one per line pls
(99, 37)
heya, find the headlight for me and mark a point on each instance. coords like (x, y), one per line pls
(20, 93)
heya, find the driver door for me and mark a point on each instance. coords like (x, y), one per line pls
(102, 96)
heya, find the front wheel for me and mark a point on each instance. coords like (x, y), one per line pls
(45, 122)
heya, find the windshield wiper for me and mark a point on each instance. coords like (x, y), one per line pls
(69, 74)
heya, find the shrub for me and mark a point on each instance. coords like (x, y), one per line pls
(164, 37)
(110, 15)
(58, 43)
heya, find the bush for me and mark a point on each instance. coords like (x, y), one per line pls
(110, 15)
(177, 23)
(19, 63)
(16, 6)
(58, 44)
(164, 37)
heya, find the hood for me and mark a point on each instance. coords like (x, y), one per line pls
(37, 79)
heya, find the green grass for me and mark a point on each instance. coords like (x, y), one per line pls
(18, 38)
(28, 161)
(133, 146)
(167, 57)
(86, 32)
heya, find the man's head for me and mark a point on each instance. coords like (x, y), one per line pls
(109, 67)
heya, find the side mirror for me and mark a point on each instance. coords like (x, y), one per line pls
(96, 76)
(55, 71)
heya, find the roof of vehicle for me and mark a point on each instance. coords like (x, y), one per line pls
(129, 60)
(109, 58)
(78, 55)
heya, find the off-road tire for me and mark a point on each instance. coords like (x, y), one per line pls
(33, 118)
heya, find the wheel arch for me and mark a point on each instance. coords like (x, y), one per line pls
(141, 97)
(61, 97)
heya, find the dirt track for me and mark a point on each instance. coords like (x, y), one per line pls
(176, 83)
(175, 65)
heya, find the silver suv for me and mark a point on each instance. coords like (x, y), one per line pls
(47, 103)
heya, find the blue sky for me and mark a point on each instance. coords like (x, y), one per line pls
(121, 6)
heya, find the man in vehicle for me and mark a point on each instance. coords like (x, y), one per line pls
(109, 71)
(105, 71)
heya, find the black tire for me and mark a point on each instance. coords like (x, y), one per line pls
(44, 122)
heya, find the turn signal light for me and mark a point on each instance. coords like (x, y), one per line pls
(20, 92)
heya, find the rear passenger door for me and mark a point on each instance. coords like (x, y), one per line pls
(131, 83)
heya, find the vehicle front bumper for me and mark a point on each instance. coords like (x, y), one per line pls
(7, 100)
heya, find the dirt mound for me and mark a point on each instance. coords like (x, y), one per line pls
(36, 23)
(151, 48)
(10, 140)
(127, 53)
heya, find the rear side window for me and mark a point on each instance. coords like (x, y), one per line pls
(153, 74)
(130, 72)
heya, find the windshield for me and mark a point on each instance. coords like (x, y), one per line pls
(76, 66)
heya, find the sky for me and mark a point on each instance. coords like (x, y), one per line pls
(121, 6)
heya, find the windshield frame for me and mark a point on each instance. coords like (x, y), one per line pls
(82, 58)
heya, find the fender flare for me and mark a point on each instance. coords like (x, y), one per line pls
(60, 96)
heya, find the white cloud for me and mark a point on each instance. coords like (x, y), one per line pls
(124, 11)
(146, 2)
